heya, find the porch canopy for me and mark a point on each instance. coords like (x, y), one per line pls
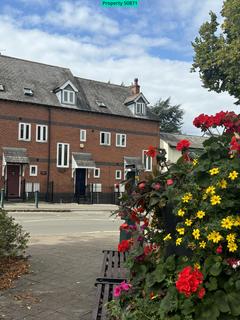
(83, 160)
(15, 155)
(133, 163)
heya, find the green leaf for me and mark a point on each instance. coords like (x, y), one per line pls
(233, 301)
(216, 269)
(237, 284)
(169, 303)
(221, 301)
(150, 279)
(187, 307)
(160, 274)
(170, 263)
(153, 201)
(212, 284)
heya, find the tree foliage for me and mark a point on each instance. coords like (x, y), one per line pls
(170, 116)
(217, 54)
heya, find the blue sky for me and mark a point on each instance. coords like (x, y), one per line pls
(151, 42)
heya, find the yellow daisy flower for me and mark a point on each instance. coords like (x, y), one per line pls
(188, 222)
(178, 241)
(232, 246)
(181, 231)
(196, 234)
(181, 213)
(195, 162)
(168, 237)
(215, 200)
(197, 266)
(233, 175)
(210, 190)
(214, 236)
(231, 237)
(237, 222)
(200, 214)
(222, 184)
(187, 197)
(227, 222)
(214, 171)
(202, 244)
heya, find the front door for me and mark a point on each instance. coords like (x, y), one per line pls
(80, 186)
(13, 172)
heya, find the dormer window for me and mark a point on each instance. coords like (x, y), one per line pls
(28, 92)
(68, 96)
(140, 108)
(2, 88)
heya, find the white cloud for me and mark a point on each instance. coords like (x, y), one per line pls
(76, 15)
(159, 78)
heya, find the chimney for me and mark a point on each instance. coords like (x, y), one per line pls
(135, 88)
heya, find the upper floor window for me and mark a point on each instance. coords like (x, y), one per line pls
(68, 96)
(105, 138)
(41, 133)
(147, 161)
(118, 174)
(83, 135)
(63, 155)
(96, 173)
(33, 171)
(24, 131)
(140, 108)
(121, 140)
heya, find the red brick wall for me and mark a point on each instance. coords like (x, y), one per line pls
(66, 128)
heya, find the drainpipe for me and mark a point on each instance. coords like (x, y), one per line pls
(49, 151)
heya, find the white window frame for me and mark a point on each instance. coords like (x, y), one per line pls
(109, 135)
(62, 165)
(68, 92)
(24, 124)
(83, 135)
(31, 174)
(41, 126)
(142, 108)
(119, 135)
(98, 170)
(118, 174)
(147, 161)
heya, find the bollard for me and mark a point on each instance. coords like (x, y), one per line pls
(2, 198)
(36, 199)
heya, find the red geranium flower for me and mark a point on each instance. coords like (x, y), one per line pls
(219, 249)
(169, 182)
(183, 145)
(188, 281)
(152, 151)
(124, 245)
(201, 293)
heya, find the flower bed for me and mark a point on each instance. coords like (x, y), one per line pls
(184, 251)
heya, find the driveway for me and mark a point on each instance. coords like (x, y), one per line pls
(66, 256)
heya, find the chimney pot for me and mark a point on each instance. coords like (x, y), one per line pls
(135, 88)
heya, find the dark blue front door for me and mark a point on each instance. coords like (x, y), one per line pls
(80, 182)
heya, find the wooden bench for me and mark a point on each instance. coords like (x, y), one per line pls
(112, 274)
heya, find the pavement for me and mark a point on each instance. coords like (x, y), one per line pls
(56, 207)
(65, 256)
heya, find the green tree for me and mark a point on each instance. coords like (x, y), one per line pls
(170, 117)
(217, 51)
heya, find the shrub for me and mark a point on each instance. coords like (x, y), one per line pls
(184, 258)
(13, 240)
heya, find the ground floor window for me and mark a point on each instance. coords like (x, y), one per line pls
(63, 155)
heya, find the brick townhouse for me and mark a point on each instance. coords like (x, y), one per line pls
(69, 138)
